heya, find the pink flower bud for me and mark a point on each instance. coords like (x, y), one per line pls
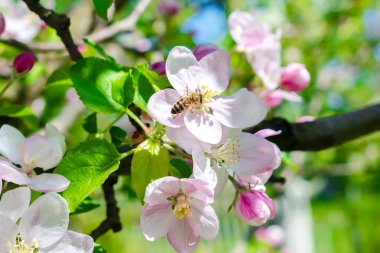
(295, 77)
(204, 49)
(159, 68)
(306, 118)
(273, 235)
(24, 62)
(168, 7)
(2, 23)
(255, 207)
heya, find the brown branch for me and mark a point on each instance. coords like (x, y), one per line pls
(113, 219)
(16, 44)
(323, 133)
(60, 23)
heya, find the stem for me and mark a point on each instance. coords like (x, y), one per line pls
(6, 87)
(126, 154)
(137, 120)
(113, 122)
(176, 151)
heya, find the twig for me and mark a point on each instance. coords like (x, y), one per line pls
(113, 219)
(60, 23)
(16, 44)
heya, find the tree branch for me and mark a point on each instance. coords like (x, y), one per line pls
(323, 133)
(60, 23)
(112, 220)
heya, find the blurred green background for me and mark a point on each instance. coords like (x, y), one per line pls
(331, 202)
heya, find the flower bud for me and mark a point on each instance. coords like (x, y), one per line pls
(204, 49)
(255, 207)
(2, 23)
(24, 62)
(159, 68)
(168, 7)
(295, 77)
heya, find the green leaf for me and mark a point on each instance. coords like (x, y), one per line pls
(90, 124)
(287, 160)
(179, 168)
(101, 7)
(143, 91)
(158, 82)
(22, 112)
(54, 94)
(87, 167)
(99, 249)
(86, 205)
(99, 49)
(150, 162)
(117, 135)
(102, 85)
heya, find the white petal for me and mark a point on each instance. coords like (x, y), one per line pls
(186, 140)
(215, 70)
(10, 173)
(182, 69)
(1, 186)
(205, 215)
(14, 203)
(10, 143)
(205, 127)
(182, 237)
(8, 232)
(42, 152)
(46, 220)
(241, 110)
(159, 190)
(47, 182)
(71, 242)
(156, 220)
(160, 105)
(52, 132)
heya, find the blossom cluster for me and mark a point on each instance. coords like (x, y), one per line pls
(263, 51)
(208, 126)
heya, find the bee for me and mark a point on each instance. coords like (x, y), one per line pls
(187, 102)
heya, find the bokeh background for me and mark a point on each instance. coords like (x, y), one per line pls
(330, 202)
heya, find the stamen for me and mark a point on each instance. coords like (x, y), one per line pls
(229, 151)
(181, 207)
(22, 247)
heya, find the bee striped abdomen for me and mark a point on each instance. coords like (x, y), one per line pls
(188, 102)
(180, 106)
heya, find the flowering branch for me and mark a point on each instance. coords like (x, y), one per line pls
(60, 23)
(323, 133)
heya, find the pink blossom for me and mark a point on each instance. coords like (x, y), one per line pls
(158, 67)
(42, 226)
(254, 207)
(202, 50)
(169, 7)
(295, 77)
(275, 98)
(306, 118)
(36, 151)
(273, 235)
(180, 209)
(2, 23)
(206, 78)
(24, 62)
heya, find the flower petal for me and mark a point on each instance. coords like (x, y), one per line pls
(47, 182)
(264, 133)
(10, 143)
(241, 110)
(14, 203)
(186, 140)
(215, 70)
(159, 190)
(8, 232)
(257, 155)
(160, 106)
(203, 126)
(52, 132)
(182, 69)
(71, 242)
(205, 215)
(156, 220)
(182, 237)
(10, 173)
(45, 220)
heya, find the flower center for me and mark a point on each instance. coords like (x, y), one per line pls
(229, 151)
(181, 207)
(21, 247)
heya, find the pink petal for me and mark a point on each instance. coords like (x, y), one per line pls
(202, 50)
(206, 217)
(71, 242)
(256, 179)
(186, 140)
(182, 69)
(160, 106)
(47, 182)
(46, 220)
(203, 126)
(156, 220)
(8, 232)
(182, 237)
(10, 173)
(10, 143)
(256, 155)
(159, 190)
(215, 70)
(14, 203)
(264, 133)
(241, 110)
(52, 132)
